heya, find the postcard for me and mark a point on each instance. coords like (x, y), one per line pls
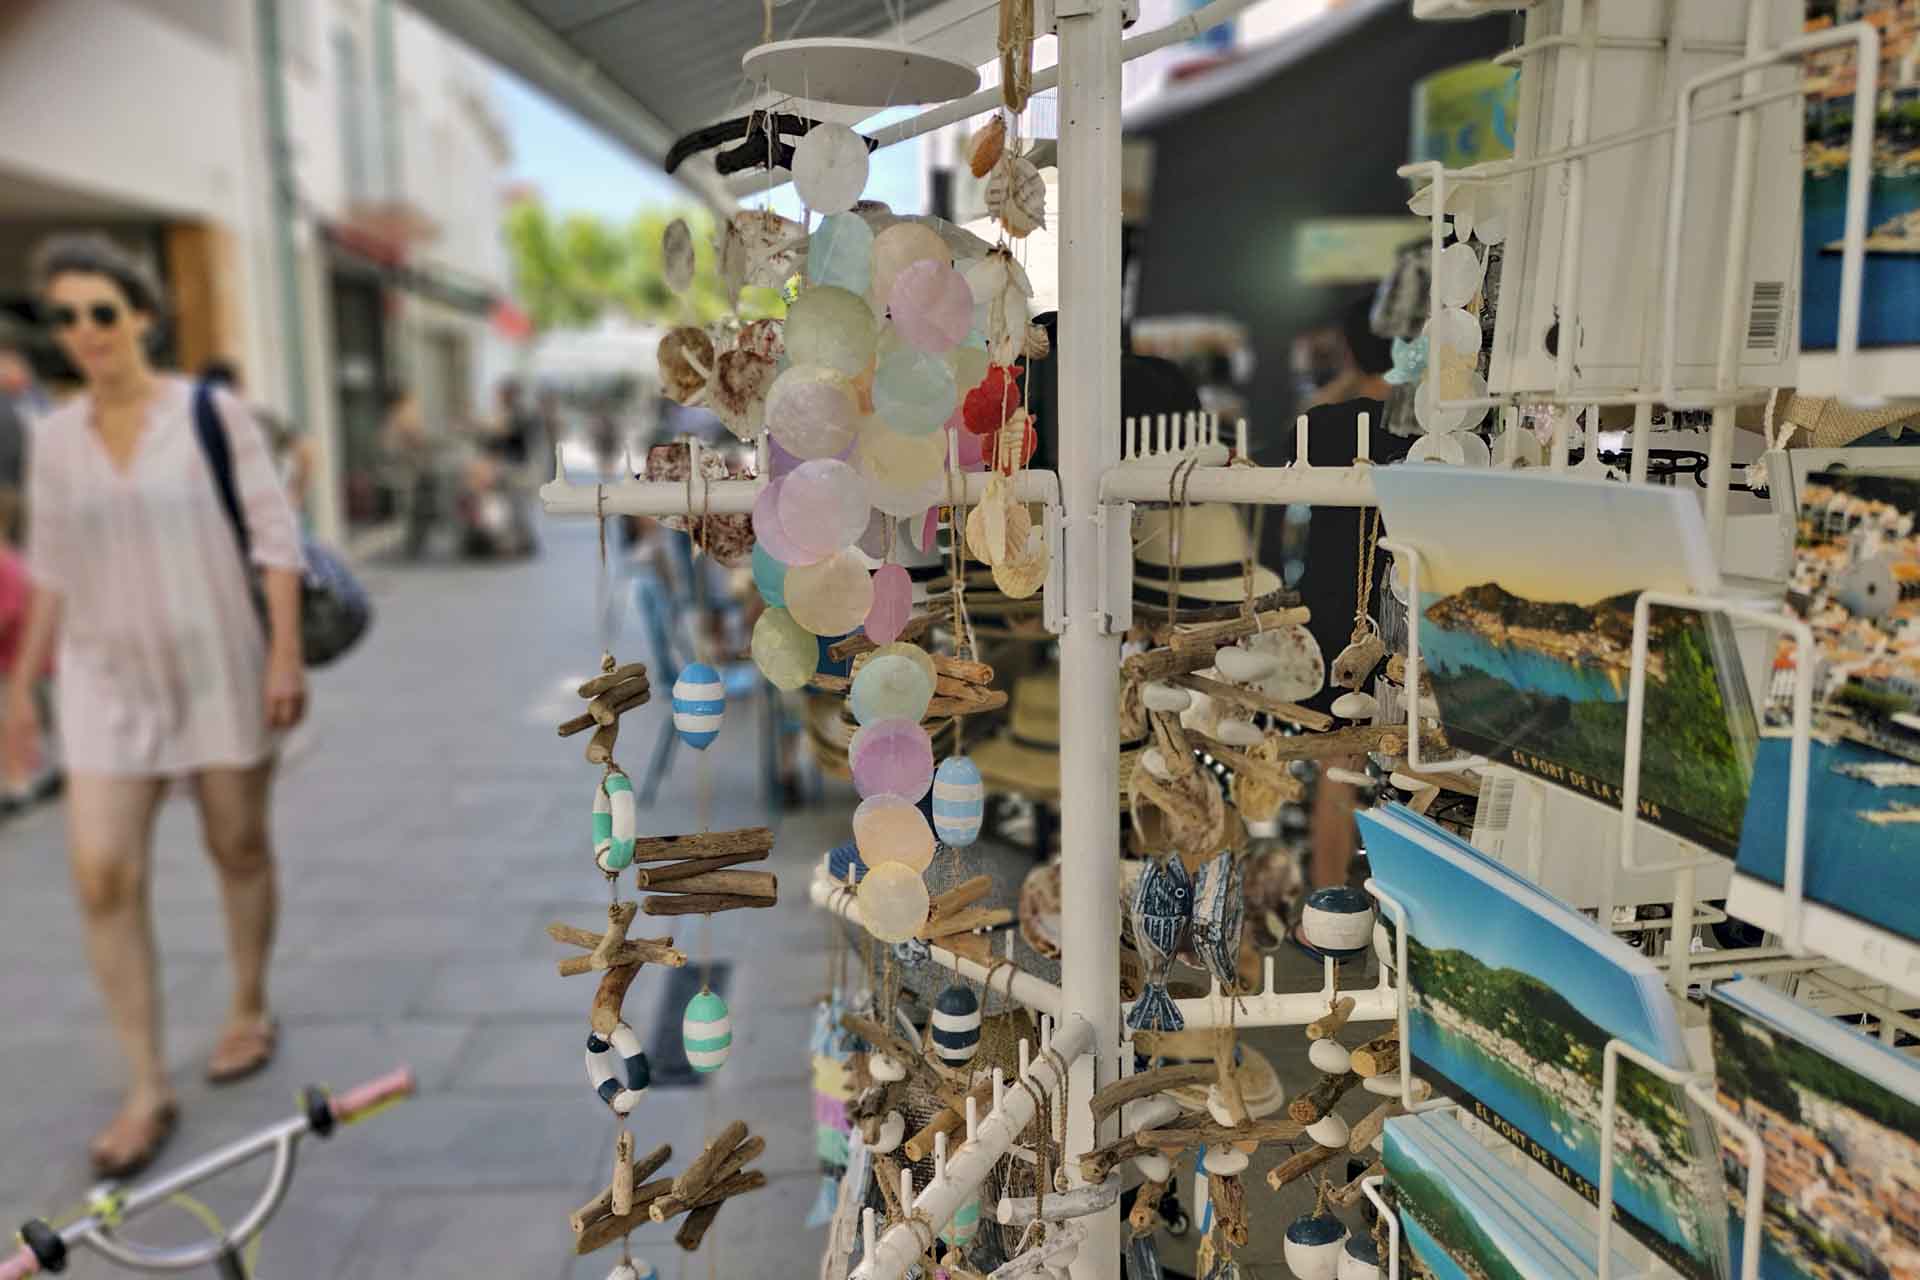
(1512, 997)
(1527, 589)
(1855, 581)
(1451, 1223)
(1840, 1116)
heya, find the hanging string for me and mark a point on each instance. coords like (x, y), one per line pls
(602, 585)
(1180, 477)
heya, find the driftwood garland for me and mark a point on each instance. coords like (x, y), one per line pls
(637, 1173)
(1330, 1023)
(610, 695)
(1144, 1084)
(703, 844)
(1191, 648)
(631, 951)
(1253, 700)
(1318, 1102)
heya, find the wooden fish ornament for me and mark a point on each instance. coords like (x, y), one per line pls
(1219, 909)
(1162, 914)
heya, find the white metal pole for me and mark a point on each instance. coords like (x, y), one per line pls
(1089, 444)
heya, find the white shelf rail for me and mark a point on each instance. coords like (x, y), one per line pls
(1018, 985)
(1698, 1087)
(957, 1177)
(1270, 1008)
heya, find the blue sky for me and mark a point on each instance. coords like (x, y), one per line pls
(579, 169)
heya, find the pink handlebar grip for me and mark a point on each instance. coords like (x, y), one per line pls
(349, 1106)
(20, 1265)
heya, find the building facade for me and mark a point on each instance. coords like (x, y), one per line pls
(154, 121)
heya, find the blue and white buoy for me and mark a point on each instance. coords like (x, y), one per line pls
(956, 1026)
(1338, 922)
(699, 703)
(1313, 1246)
(959, 801)
(1360, 1259)
(617, 1068)
(615, 822)
(707, 1032)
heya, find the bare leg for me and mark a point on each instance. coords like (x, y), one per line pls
(110, 847)
(234, 822)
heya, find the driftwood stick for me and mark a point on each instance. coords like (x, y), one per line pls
(949, 1120)
(889, 1042)
(678, 1202)
(703, 904)
(966, 922)
(702, 844)
(858, 643)
(694, 1230)
(1190, 649)
(1351, 741)
(619, 919)
(1266, 773)
(1362, 1135)
(1319, 1101)
(606, 1230)
(887, 1173)
(610, 997)
(1144, 1084)
(1377, 1057)
(610, 705)
(1254, 700)
(651, 877)
(621, 1193)
(1348, 1196)
(747, 884)
(698, 1174)
(1300, 1164)
(1018, 1211)
(641, 1169)
(609, 679)
(1096, 1164)
(1329, 1023)
(600, 745)
(633, 694)
(964, 894)
(1170, 1140)
(1144, 1217)
(632, 951)
(1229, 1197)
(945, 707)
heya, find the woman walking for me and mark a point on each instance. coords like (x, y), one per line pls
(164, 669)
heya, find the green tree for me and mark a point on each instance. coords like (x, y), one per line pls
(573, 269)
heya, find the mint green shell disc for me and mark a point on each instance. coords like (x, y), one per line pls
(914, 391)
(840, 253)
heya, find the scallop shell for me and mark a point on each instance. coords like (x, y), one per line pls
(1017, 195)
(892, 1130)
(676, 255)
(738, 392)
(986, 145)
(760, 248)
(1020, 575)
(762, 338)
(999, 526)
(686, 362)
(1038, 345)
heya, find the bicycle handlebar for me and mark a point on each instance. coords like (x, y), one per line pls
(361, 1099)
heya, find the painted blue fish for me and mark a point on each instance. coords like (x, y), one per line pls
(1219, 909)
(1162, 913)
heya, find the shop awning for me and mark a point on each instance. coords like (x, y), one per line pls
(649, 71)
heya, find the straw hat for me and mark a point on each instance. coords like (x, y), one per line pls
(1025, 756)
(1213, 549)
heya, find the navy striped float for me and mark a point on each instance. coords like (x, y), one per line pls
(956, 1026)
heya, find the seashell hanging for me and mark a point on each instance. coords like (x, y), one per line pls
(686, 362)
(1017, 195)
(984, 148)
(737, 393)
(676, 255)
(760, 248)
(762, 338)
(999, 526)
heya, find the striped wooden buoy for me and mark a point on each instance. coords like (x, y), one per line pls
(956, 1026)
(614, 822)
(699, 702)
(617, 1068)
(959, 801)
(634, 1269)
(707, 1032)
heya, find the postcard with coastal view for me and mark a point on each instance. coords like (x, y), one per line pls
(1512, 997)
(1840, 1116)
(1527, 589)
(1856, 583)
(1451, 1222)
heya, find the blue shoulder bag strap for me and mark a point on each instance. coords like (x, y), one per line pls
(213, 443)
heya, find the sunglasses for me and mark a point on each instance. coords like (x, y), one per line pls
(103, 314)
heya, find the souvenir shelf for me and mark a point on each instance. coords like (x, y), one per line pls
(1088, 605)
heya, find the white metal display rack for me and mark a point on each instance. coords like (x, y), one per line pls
(1088, 589)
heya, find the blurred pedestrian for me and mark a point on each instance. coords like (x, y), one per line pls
(21, 401)
(165, 669)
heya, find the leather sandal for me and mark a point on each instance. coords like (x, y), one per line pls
(131, 1142)
(243, 1051)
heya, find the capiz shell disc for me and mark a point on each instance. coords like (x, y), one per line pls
(892, 604)
(893, 901)
(840, 253)
(931, 306)
(830, 168)
(811, 411)
(899, 247)
(920, 657)
(913, 391)
(769, 534)
(831, 328)
(901, 463)
(887, 828)
(823, 506)
(889, 688)
(830, 598)
(892, 756)
(786, 652)
(769, 577)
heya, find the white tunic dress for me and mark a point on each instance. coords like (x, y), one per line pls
(162, 657)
